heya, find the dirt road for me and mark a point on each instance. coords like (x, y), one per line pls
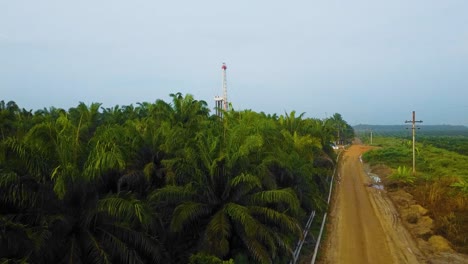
(364, 225)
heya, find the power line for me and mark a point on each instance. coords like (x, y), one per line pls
(414, 138)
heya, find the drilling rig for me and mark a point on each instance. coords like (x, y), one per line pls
(221, 103)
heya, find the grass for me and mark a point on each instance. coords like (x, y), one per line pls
(432, 162)
(440, 184)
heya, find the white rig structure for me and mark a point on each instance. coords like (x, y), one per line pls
(222, 102)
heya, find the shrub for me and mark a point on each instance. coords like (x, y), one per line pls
(402, 175)
(462, 185)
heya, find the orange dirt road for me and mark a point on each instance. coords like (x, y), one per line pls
(364, 226)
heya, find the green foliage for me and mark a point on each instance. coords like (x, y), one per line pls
(393, 156)
(127, 209)
(403, 175)
(202, 258)
(440, 183)
(458, 144)
(404, 131)
(431, 162)
(106, 153)
(462, 185)
(159, 182)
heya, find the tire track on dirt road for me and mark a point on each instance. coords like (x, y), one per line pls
(364, 225)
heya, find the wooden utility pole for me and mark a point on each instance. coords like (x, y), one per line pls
(369, 130)
(413, 127)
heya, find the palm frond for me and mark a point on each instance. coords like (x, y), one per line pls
(119, 250)
(286, 196)
(15, 261)
(143, 243)
(16, 193)
(30, 155)
(94, 252)
(242, 185)
(271, 217)
(186, 213)
(73, 254)
(171, 194)
(126, 209)
(62, 176)
(149, 169)
(8, 178)
(15, 237)
(105, 156)
(217, 234)
(207, 149)
(250, 144)
(266, 236)
(257, 250)
(249, 180)
(241, 215)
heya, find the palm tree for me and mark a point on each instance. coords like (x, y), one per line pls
(291, 122)
(186, 110)
(21, 233)
(10, 117)
(344, 132)
(156, 182)
(224, 206)
(113, 115)
(87, 119)
(53, 208)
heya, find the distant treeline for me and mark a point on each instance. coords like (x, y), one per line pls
(405, 130)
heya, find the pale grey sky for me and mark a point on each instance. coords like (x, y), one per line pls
(373, 61)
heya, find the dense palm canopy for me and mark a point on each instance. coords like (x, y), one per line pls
(162, 182)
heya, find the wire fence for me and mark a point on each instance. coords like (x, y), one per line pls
(301, 241)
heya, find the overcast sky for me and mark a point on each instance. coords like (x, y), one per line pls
(373, 61)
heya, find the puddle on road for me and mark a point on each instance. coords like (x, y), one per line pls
(375, 181)
(377, 186)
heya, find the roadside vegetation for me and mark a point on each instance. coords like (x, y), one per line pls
(440, 183)
(163, 182)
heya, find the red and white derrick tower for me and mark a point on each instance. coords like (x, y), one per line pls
(222, 102)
